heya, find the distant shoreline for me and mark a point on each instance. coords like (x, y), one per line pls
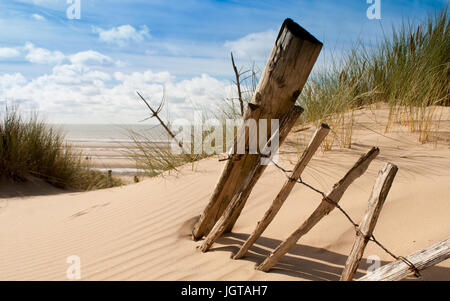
(108, 147)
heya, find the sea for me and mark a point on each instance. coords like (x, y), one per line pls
(109, 146)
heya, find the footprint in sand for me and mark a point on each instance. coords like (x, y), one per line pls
(86, 211)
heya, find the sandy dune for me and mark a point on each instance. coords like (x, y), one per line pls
(141, 231)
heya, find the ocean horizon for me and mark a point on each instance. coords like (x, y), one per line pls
(109, 146)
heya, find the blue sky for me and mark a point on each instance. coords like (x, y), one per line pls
(87, 69)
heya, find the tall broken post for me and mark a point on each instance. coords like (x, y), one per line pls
(325, 207)
(376, 201)
(289, 65)
(270, 214)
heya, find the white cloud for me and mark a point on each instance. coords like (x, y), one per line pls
(91, 58)
(83, 87)
(42, 56)
(256, 46)
(80, 93)
(8, 81)
(200, 91)
(8, 53)
(122, 35)
(38, 17)
(72, 75)
(142, 78)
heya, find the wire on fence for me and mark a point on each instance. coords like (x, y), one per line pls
(286, 172)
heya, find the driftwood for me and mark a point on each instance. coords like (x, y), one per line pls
(326, 206)
(284, 76)
(376, 201)
(422, 259)
(241, 197)
(270, 214)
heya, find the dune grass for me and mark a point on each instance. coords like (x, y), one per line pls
(155, 158)
(408, 70)
(31, 148)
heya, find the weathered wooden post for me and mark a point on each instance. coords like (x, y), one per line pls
(422, 259)
(270, 214)
(376, 201)
(285, 127)
(241, 196)
(324, 208)
(284, 76)
(109, 178)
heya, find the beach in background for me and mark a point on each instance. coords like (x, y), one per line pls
(110, 147)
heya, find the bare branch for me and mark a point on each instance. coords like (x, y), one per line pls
(238, 84)
(155, 114)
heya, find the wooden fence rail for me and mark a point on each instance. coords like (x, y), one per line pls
(270, 214)
(376, 201)
(285, 127)
(241, 197)
(422, 259)
(325, 207)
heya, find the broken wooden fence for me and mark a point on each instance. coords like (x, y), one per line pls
(284, 76)
(289, 65)
(328, 203)
(270, 214)
(397, 270)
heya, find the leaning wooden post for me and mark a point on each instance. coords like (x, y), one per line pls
(379, 193)
(241, 197)
(325, 207)
(422, 259)
(284, 76)
(270, 214)
(288, 124)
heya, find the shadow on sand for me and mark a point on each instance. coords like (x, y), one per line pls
(31, 187)
(308, 262)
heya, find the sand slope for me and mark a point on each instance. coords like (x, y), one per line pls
(141, 231)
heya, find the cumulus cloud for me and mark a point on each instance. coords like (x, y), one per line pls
(122, 35)
(199, 91)
(8, 53)
(37, 55)
(11, 80)
(91, 58)
(42, 56)
(255, 46)
(82, 87)
(142, 78)
(80, 93)
(38, 17)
